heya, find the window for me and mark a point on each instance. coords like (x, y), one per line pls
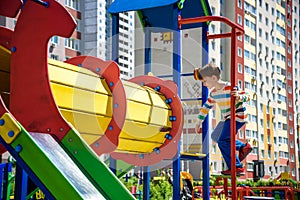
(72, 43)
(54, 40)
(73, 4)
(247, 38)
(240, 54)
(262, 138)
(249, 166)
(240, 68)
(214, 149)
(215, 166)
(240, 21)
(266, 35)
(213, 45)
(291, 130)
(262, 153)
(293, 172)
(260, 32)
(267, 21)
(241, 134)
(254, 118)
(267, 7)
(248, 133)
(261, 122)
(254, 134)
(54, 57)
(213, 10)
(260, 17)
(239, 83)
(213, 28)
(240, 5)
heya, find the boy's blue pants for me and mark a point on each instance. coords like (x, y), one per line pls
(224, 143)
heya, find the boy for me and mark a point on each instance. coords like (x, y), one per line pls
(220, 93)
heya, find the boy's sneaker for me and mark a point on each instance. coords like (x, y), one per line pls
(239, 171)
(244, 151)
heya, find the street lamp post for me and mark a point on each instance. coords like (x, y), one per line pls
(258, 164)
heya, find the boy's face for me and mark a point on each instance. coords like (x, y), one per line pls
(209, 81)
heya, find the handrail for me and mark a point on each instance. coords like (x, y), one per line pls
(202, 19)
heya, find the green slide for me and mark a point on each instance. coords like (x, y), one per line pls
(80, 175)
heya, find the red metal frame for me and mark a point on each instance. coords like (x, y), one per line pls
(111, 72)
(236, 30)
(10, 8)
(31, 99)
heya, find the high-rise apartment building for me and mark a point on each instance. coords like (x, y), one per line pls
(96, 30)
(93, 34)
(268, 67)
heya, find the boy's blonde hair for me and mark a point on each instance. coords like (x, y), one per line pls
(209, 70)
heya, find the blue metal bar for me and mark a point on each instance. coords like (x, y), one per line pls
(192, 99)
(43, 3)
(177, 80)
(187, 74)
(7, 169)
(115, 37)
(165, 76)
(115, 57)
(21, 183)
(148, 50)
(24, 166)
(147, 62)
(146, 185)
(177, 60)
(2, 178)
(176, 174)
(205, 126)
(171, 75)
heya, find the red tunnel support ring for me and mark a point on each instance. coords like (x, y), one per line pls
(111, 73)
(170, 147)
(31, 101)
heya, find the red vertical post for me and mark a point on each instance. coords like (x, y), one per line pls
(232, 112)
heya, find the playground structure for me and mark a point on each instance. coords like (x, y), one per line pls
(45, 96)
(95, 94)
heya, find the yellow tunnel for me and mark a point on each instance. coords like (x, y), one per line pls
(85, 100)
